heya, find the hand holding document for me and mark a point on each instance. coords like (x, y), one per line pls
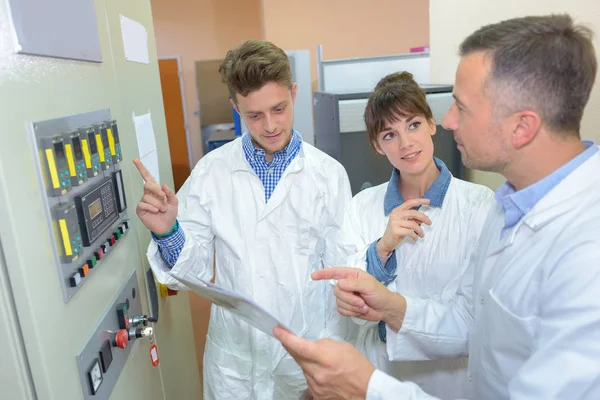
(240, 305)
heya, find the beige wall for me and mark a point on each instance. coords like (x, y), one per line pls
(206, 29)
(202, 30)
(451, 22)
(346, 28)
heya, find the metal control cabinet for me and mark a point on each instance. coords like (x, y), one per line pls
(41, 335)
(340, 131)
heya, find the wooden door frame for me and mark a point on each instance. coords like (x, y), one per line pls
(185, 116)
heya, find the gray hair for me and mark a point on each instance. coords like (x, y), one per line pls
(543, 63)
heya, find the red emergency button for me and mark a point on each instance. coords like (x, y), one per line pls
(121, 339)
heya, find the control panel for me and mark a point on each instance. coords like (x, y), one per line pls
(79, 171)
(121, 330)
(97, 210)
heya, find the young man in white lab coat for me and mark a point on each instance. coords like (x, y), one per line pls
(527, 312)
(269, 206)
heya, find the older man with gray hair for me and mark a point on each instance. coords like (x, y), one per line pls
(528, 310)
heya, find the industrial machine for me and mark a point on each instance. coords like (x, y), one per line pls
(340, 131)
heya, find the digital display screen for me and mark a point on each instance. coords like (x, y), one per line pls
(104, 136)
(92, 142)
(59, 149)
(115, 132)
(95, 208)
(77, 148)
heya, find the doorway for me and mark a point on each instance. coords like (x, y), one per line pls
(171, 82)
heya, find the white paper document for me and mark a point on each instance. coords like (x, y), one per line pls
(240, 305)
(135, 41)
(147, 143)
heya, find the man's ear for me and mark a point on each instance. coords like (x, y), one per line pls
(293, 90)
(524, 126)
(234, 104)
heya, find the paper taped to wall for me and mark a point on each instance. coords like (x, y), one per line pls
(135, 41)
(147, 143)
(240, 305)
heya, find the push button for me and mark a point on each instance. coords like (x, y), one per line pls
(91, 262)
(83, 271)
(121, 339)
(122, 316)
(75, 279)
(99, 254)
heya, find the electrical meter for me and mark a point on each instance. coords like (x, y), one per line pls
(114, 143)
(68, 234)
(75, 159)
(90, 151)
(58, 179)
(103, 145)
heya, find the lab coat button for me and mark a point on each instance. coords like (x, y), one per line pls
(470, 378)
(482, 301)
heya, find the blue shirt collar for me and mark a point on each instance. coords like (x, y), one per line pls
(255, 155)
(518, 203)
(436, 192)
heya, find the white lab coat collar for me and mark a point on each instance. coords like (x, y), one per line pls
(552, 205)
(238, 162)
(572, 189)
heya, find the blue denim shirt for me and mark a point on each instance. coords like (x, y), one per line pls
(518, 203)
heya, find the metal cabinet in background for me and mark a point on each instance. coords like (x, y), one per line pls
(340, 131)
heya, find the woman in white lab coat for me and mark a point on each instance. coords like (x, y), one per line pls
(417, 231)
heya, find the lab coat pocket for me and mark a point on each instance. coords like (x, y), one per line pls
(221, 364)
(298, 235)
(440, 283)
(289, 379)
(508, 338)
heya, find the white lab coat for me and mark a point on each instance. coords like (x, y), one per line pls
(429, 268)
(267, 252)
(528, 309)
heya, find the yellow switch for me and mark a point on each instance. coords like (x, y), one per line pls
(100, 147)
(165, 291)
(111, 142)
(86, 153)
(70, 159)
(65, 236)
(52, 168)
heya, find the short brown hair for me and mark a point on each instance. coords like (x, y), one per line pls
(543, 63)
(395, 96)
(252, 65)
